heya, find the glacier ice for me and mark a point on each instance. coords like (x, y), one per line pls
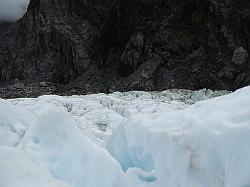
(203, 145)
(57, 145)
(175, 138)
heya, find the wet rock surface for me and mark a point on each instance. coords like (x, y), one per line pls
(79, 47)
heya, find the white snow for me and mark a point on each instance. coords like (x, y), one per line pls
(175, 138)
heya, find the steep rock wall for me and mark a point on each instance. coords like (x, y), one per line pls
(108, 45)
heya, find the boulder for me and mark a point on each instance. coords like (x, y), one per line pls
(240, 56)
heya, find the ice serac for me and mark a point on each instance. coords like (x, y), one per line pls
(204, 145)
(16, 167)
(57, 145)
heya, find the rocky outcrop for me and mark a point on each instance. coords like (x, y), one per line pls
(240, 56)
(192, 41)
(125, 45)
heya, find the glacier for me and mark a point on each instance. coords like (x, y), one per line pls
(174, 138)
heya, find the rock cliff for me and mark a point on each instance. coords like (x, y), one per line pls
(85, 46)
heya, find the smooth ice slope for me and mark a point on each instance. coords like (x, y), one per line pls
(135, 139)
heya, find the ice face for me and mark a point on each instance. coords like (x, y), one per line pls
(135, 139)
(205, 144)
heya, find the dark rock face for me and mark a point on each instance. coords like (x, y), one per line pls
(126, 45)
(240, 56)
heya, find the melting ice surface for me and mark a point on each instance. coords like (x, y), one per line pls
(175, 138)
